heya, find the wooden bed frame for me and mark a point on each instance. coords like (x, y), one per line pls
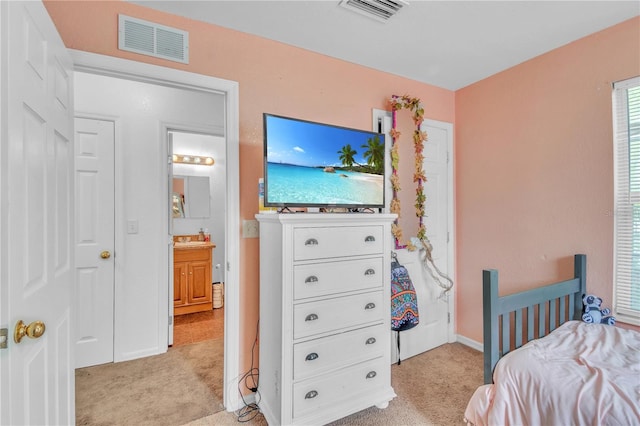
(553, 305)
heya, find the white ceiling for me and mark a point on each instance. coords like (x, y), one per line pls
(449, 44)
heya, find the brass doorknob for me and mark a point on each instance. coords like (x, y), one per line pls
(105, 254)
(33, 330)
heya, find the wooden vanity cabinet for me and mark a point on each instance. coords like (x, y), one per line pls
(180, 272)
(192, 290)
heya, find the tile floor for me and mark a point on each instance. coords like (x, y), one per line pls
(192, 328)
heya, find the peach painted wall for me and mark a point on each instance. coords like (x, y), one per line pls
(272, 77)
(534, 170)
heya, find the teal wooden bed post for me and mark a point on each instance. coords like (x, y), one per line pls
(489, 303)
(580, 272)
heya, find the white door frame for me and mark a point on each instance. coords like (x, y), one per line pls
(123, 68)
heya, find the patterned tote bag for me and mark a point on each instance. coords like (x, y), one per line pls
(404, 301)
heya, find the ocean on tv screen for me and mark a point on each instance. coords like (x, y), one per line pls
(289, 184)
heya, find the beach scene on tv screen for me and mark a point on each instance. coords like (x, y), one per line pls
(317, 164)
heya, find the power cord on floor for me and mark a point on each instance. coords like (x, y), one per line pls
(250, 380)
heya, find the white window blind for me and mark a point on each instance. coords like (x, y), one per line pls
(626, 132)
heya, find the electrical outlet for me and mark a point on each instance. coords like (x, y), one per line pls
(250, 229)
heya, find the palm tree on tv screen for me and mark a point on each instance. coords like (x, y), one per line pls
(347, 155)
(374, 154)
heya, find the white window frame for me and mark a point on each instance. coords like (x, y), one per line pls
(626, 281)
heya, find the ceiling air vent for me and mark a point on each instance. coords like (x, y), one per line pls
(380, 10)
(148, 38)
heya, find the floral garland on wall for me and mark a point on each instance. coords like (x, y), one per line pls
(419, 137)
(419, 242)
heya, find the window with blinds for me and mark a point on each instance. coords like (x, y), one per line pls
(626, 129)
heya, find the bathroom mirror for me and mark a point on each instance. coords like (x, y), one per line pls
(191, 197)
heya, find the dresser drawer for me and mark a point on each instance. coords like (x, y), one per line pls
(324, 392)
(328, 353)
(338, 241)
(192, 254)
(336, 277)
(337, 313)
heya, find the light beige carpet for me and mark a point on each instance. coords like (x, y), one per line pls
(433, 388)
(181, 385)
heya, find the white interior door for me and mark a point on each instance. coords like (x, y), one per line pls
(435, 311)
(36, 226)
(434, 328)
(94, 242)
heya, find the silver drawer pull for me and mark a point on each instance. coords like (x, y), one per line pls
(370, 271)
(312, 394)
(369, 239)
(370, 341)
(371, 374)
(311, 279)
(311, 356)
(370, 305)
(311, 242)
(311, 317)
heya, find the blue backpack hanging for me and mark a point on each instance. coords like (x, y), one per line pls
(404, 301)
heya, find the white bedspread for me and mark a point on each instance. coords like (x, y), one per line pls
(581, 374)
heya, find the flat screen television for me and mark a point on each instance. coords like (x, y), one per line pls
(309, 164)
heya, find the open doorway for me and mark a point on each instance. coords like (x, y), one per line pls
(193, 365)
(141, 187)
(197, 199)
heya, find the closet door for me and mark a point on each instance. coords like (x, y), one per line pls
(94, 143)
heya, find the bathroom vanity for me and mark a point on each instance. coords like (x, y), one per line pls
(192, 261)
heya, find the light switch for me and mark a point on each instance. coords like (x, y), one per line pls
(250, 229)
(132, 227)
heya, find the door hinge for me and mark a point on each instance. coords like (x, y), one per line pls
(448, 234)
(170, 320)
(448, 317)
(4, 333)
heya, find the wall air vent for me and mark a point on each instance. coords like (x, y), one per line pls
(380, 10)
(148, 38)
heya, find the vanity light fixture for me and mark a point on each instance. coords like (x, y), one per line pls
(193, 159)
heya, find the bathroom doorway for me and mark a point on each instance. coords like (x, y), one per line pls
(197, 197)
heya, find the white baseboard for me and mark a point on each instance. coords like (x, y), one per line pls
(471, 343)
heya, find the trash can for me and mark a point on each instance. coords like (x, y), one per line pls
(218, 295)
